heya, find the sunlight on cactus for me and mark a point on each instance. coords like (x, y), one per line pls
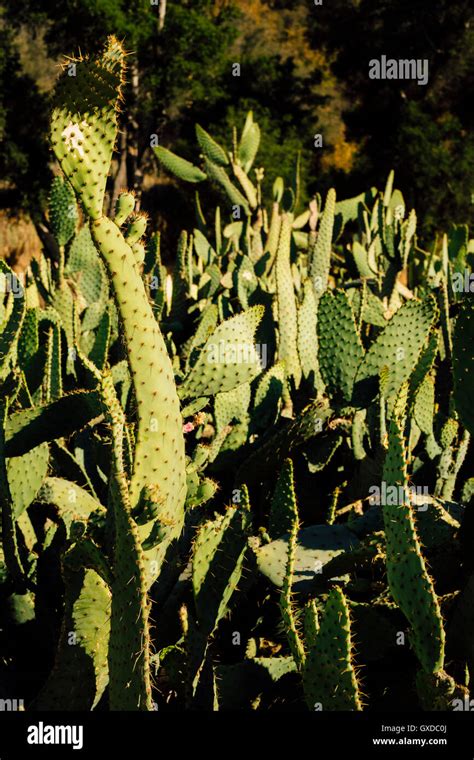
(187, 456)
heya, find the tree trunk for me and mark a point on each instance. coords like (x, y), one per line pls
(161, 14)
(120, 181)
(133, 165)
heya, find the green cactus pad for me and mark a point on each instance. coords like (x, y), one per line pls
(135, 228)
(271, 453)
(286, 305)
(53, 384)
(211, 148)
(30, 427)
(340, 349)
(232, 405)
(349, 210)
(228, 359)
(329, 676)
(267, 396)
(179, 166)
(70, 500)
(436, 527)
(84, 122)
(206, 327)
(286, 596)
(220, 177)
(124, 206)
(423, 367)
(100, 348)
(409, 582)
(10, 551)
(398, 347)
(62, 208)
(283, 508)
(249, 143)
(218, 557)
(319, 452)
(15, 311)
(28, 341)
(307, 346)
(246, 281)
(80, 671)
(159, 442)
(26, 475)
(321, 253)
(440, 692)
(86, 268)
(424, 405)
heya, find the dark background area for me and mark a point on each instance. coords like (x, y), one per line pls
(304, 70)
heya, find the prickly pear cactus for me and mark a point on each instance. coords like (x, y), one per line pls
(232, 481)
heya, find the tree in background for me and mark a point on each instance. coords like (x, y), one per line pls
(181, 71)
(170, 68)
(304, 71)
(423, 132)
(23, 125)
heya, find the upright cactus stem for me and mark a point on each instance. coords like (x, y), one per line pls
(159, 442)
(84, 132)
(410, 585)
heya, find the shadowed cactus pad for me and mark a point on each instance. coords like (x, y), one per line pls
(316, 546)
(410, 584)
(463, 363)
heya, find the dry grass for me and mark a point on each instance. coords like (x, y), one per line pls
(19, 242)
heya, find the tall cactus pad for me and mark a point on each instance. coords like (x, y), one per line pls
(283, 509)
(286, 601)
(62, 211)
(286, 303)
(307, 349)
(80, 672)
(84, 122)
(463, 364)
(10, 329)
(218, 558)
(340, 348)
(159, 450)
(321, 254)
(249, 143)
(409, 582)
(129, 649)
(329, 677)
